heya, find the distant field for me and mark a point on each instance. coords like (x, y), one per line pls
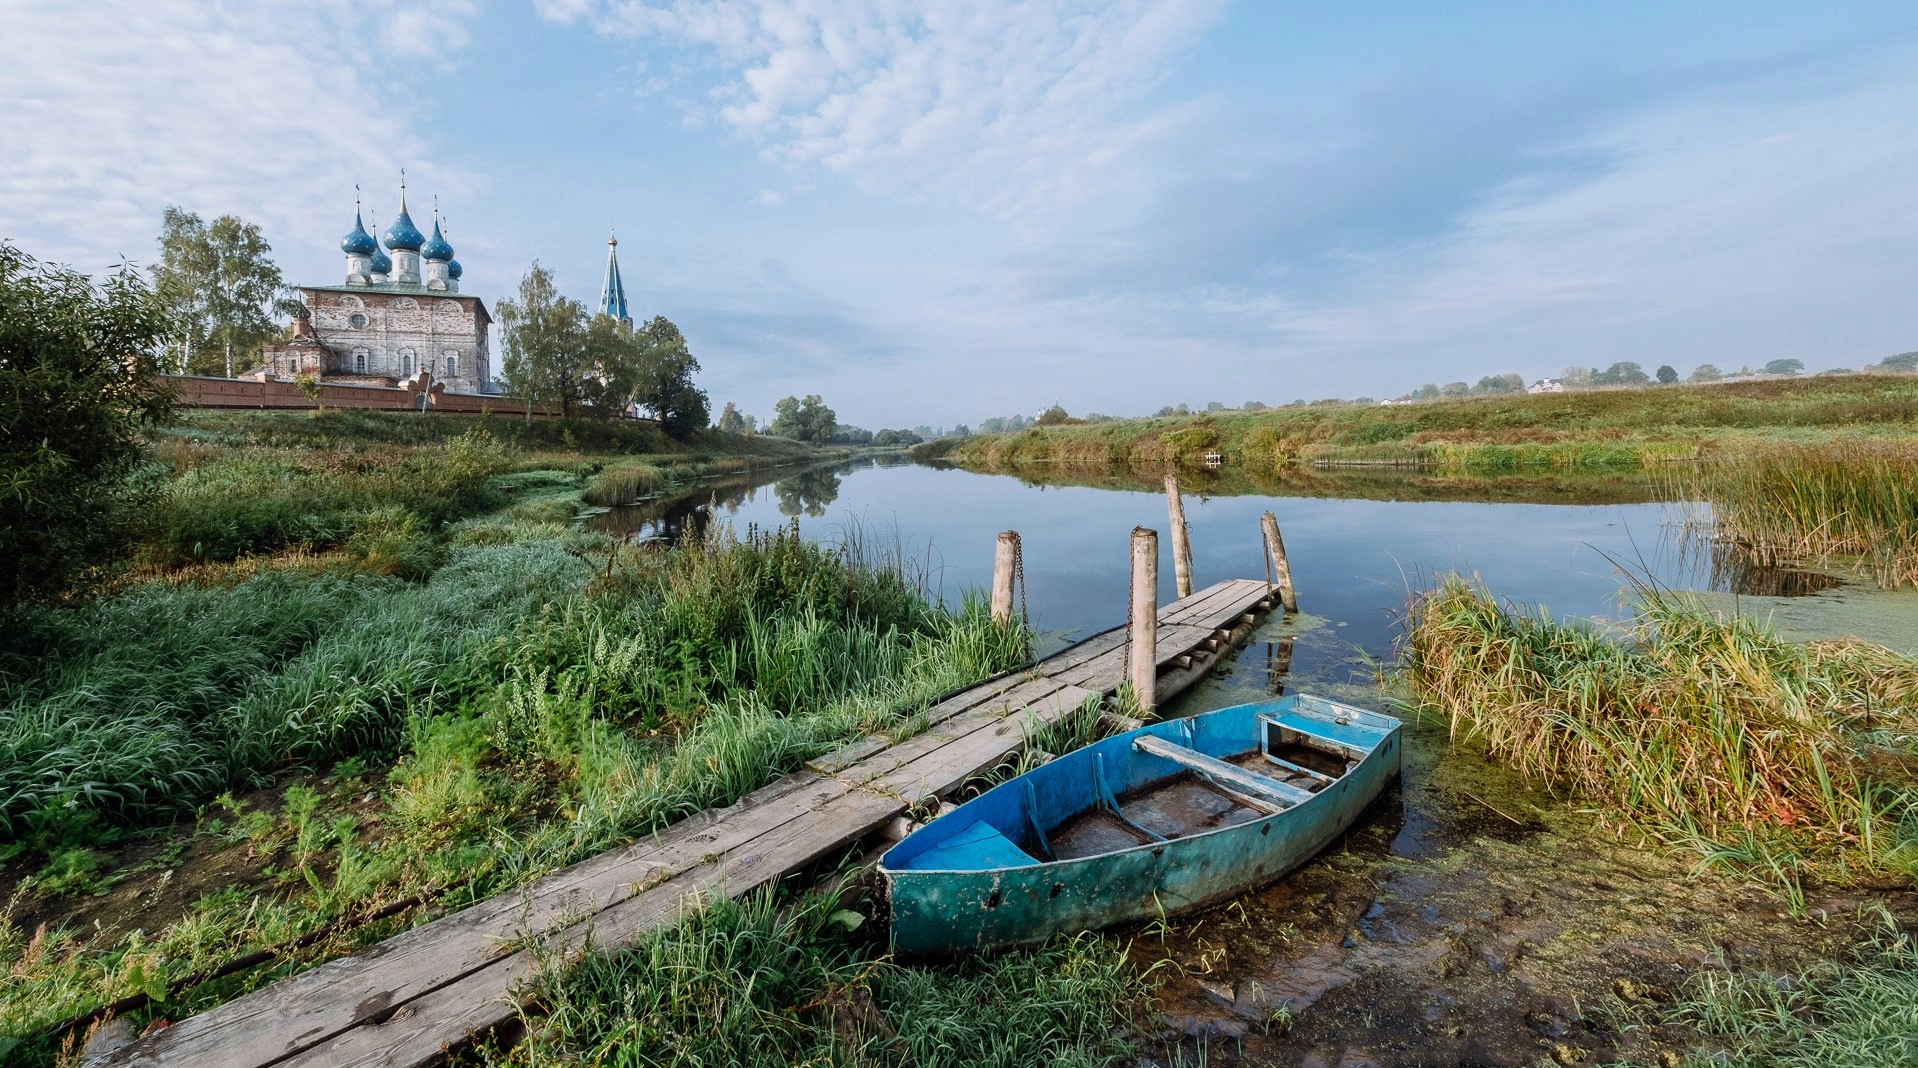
(1597, 429)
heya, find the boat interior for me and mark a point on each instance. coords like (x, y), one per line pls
(1205, 794)
(1169, 781)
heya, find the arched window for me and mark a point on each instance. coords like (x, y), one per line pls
(452, 363)
(406, 363)
(406, 304)
(351, 301)
(359, 361)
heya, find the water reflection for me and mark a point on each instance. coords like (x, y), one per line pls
(1360, 542)
(808, 492)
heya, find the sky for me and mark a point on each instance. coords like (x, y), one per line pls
(933, 213)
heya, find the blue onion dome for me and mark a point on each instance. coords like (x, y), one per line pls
(359, 242)
(436, 247)
(403, 236)
(453, 270)
(382, 263)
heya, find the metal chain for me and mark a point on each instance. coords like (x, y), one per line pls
(1125, 671)
(1019, 576)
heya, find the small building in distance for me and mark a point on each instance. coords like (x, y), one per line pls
(1547, 385)
(393, 317)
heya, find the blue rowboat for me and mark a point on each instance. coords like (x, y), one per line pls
(1170, 817)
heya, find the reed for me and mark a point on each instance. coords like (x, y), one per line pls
(1696, 726)
(1787, 503)
(624, 484)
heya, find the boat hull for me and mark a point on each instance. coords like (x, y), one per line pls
(946, 911)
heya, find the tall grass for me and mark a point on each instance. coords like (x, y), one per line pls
(1696, 726)
(1795, 502)
(751, 983)
(1859, 1013)
(624, 484)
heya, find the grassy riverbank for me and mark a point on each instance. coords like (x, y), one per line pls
(1591, 430)
(408, 682)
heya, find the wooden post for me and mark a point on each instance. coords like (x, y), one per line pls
(1281, 571)
(1143, 647)
(1005, 565)
(1181, 537)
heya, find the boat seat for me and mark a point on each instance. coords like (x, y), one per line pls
(978, 847)
(1231, 775)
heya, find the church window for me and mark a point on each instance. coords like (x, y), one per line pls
(351, 301)
(452, 363)
(359, 361)
(406, 363)
(357, 320)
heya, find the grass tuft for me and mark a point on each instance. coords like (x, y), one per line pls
(1696, 726)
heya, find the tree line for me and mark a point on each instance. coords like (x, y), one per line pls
(556, 353)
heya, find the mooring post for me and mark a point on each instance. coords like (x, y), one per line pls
(1281, 571)
(1181, 537)
(1005, 564)
(1143, 643)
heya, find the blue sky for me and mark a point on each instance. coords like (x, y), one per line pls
(934, 213)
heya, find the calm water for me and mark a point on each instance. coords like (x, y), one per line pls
(1353, 560)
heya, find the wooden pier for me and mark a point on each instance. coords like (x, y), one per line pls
(409, 1000)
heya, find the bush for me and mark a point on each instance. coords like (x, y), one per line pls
(78, 381)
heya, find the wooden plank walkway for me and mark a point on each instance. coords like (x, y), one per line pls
(409, 999)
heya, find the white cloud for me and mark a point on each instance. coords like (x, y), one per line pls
(1007, 107)
(117, 108)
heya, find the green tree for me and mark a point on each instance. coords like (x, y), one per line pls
(1785, 367)
(665, 370)
(730, 421)
(1495, 384)
(1706, 372)
(1428, 391)
(78, 381)
(1454, 389)
(1622, 373)
(544, 356)
(897, 437)
(804, 420)
(1667, 374)
(1053, 416)
(219, 288)
(1903, 363)
(1577, 377)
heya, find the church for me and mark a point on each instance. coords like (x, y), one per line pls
(399, 313)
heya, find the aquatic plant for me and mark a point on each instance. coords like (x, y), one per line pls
(623, 484)
(1698, 726)
(1794, 502)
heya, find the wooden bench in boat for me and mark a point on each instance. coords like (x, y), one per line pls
(1237, 779)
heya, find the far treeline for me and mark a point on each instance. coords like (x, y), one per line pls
(808, 419)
